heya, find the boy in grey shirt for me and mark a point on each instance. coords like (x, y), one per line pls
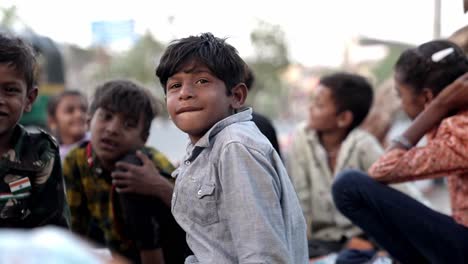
(232, 195)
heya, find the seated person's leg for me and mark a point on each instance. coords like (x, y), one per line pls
(407, 229)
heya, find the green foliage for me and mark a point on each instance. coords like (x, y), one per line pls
(138, 63)
(270, 59)
(384, 69)
(9, 17)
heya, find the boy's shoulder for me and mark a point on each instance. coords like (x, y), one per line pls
(34, 144)
(34, 153)
(77, 155)
(243, 133)
(361, 138)
(159, 159)
(38, 135)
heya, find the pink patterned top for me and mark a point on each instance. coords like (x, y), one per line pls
(446, 154)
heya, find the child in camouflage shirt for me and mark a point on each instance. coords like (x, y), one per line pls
(31, 183)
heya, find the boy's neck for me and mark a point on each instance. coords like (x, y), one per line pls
(331, 140)
(107, 166)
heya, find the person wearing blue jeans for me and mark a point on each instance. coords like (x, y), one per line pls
(401, 225)
(427, 78)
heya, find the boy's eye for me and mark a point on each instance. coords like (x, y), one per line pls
(131, 124)
(12, 89)
(202, 81)
(173, 86)
(105, 115)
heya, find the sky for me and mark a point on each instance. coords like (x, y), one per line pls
(316, 31)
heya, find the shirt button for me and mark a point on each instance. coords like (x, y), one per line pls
(187, 162)
(199, 192)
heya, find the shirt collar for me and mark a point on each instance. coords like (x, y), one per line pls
(243, 115)
(194, 149)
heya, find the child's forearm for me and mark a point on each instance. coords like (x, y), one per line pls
(425, 121)
(452, 98)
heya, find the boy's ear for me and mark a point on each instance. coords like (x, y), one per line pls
(345, 119)
(239, 95)
(144, 136)
(31, 96)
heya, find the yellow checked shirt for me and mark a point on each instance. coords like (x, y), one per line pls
(90, 197)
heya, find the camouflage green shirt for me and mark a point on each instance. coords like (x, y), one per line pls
(31, 183)
(91, 197)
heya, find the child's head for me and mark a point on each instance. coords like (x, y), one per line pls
(121, 113)
(17, 83)
(422, 72)
(202, 77)
(67, 116)
(205, 50)
(342, 102)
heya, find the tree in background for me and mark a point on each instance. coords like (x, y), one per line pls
(137, 63)
(269, 60)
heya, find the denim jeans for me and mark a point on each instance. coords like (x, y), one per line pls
(407, 229)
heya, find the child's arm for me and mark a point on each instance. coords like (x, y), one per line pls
(445, 154)
(452, 98)
(251, 204)
(80, 216)
(145, 180)
(48, 203)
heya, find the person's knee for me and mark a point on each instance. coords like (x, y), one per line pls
(345, 186)
(347, 179)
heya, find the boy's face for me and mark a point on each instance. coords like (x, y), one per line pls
(323, 113)
(113, 135)
(197, 99)
(14, 98)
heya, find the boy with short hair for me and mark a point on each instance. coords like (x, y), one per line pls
(329, 142)
(31, 183)
(232, 196)
(121, 113)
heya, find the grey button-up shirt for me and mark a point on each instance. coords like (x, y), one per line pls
(234, 198)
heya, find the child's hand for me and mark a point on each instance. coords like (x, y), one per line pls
(455, 96)
(144, 179)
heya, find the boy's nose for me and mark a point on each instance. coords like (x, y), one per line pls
(186, 91)
(114, 125)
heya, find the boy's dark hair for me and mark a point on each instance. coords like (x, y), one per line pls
(127, 97)
(55, 100)
(221, 59)
(416, 67)
(15, 53)
(350, 92)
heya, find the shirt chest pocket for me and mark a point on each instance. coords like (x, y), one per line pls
(203, 208)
